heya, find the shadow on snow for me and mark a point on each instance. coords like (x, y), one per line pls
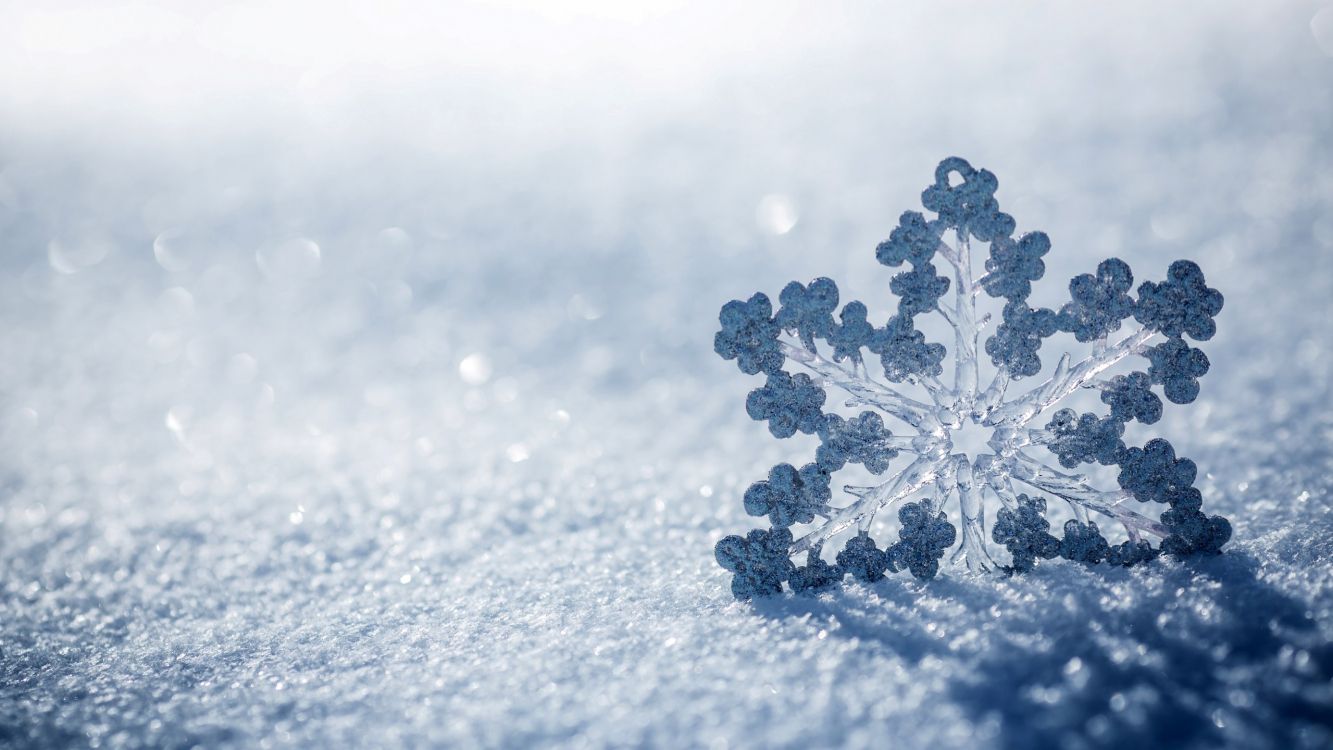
(1202, 655)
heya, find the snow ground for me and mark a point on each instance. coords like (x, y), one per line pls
(455, 477)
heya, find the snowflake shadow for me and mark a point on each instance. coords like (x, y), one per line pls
(1210, 652)
(853, 616)
(1166, 671)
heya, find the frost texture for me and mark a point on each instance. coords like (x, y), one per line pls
(1101, 304)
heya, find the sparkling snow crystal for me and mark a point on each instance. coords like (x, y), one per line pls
(1103, 311)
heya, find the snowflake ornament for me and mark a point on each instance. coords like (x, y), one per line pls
(1103, 311)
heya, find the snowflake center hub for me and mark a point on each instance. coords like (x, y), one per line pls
(970, 439)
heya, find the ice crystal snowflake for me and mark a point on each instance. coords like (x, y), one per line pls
(963, 201)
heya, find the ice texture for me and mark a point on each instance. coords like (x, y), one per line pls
(449, 468)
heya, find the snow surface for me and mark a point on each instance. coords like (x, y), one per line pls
(395, 421)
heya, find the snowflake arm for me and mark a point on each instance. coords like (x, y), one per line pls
(964, 323)
(999, 482)
(993, 396)
(920, 473)
(973, 549)
(1066, 380)
(864, 390)
(1075, 489)
(861, 440)
(1084, 439)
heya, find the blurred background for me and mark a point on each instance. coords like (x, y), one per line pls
(358, 380)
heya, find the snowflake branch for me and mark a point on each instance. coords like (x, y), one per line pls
(973, 548)
(1031, 467)
(993, 395)
(919, 444)
(966, 373)
(944, 486)
(1099, 384)
(921, 472)
(1003, 489)
(1026, 437)
(980, 283)
(947, 250)
(866, 391)
(947, 317)
(1074, 488)
(940, 393)
(1066, 380)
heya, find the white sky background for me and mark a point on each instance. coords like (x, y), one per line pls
(430, 72)
(153, 69)
(729, 102)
